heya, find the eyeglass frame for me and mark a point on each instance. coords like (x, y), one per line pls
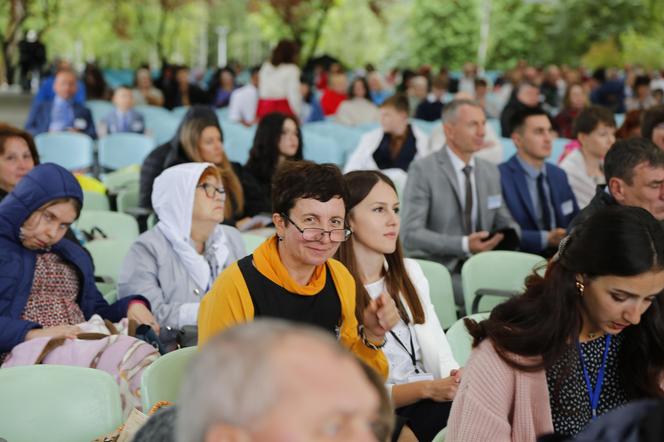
(215, 190)
(347, 231)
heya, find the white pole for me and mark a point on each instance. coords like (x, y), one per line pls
(222, 46)
(485, 28)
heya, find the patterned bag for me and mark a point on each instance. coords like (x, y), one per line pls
(99, 346)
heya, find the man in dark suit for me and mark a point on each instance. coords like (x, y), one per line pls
(62, 113)
(537, 193)
(452, 200)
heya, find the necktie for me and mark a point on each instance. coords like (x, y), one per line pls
(468, 207)
(544, 203)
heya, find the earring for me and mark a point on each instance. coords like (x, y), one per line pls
(280, 238)
(580, 287)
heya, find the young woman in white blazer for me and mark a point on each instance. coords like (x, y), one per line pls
(424, 375)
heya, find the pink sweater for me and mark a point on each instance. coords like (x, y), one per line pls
(498, 403)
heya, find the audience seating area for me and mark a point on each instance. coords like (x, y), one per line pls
(66, 404)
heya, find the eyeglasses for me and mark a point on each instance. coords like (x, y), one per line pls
(212, 191)
(316, 234)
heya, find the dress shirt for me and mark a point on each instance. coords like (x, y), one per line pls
(458, 165)
(531, 175)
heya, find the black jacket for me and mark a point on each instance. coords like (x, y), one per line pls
(601, 199)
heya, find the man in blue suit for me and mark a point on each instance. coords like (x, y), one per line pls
(536, 193)
(62, 113)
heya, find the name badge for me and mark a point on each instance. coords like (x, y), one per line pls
(420, 377)
(494, 201)
(567, 207)
(137, 126)
(80, 123)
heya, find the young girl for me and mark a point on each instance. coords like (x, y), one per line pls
(423, 375)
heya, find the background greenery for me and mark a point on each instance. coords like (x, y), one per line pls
(387, 33)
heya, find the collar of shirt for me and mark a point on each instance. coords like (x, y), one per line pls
(530, 170)
(457, 162)
(431, 98)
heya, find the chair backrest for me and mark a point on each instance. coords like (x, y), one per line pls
(95, 201)
(237, 140)
(108, 255)
(321, 149)
(441, 291)
(496, 269)
(161, 128)
(57, 403)
(162, 379)
(122, 178)
(460, 340)
(73, 151)
(252, 241)
(124, 149)
(114, 224)
(128, 198)
(99, 109)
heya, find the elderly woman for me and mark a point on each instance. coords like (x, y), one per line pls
(175, 262)
(47, 285)
(18, 155)
(292, 275)
(199, 139)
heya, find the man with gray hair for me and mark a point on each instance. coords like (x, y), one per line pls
(270, 380)
(452, 202)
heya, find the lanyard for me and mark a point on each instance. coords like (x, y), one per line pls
(411, 353)
(595, 393)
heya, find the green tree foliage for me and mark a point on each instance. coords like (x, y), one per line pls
(446, 32)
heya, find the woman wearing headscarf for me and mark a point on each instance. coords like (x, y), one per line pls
(174, 264)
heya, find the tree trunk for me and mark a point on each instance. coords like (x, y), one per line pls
(18, 12)
(319, 29)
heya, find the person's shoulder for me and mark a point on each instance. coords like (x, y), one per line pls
(555, 171)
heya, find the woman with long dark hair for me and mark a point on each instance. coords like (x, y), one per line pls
(585, 338)
(278, 138)
(423, 375)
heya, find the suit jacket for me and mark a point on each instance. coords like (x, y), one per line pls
(113, 123)
(520, 204)
(433, 214)
(40, 119)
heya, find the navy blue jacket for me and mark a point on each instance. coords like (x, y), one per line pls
(40, 119)
(44, 183)
(517, 199)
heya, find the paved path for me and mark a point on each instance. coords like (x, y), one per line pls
(14, 107)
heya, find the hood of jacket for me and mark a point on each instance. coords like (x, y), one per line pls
(44, 183)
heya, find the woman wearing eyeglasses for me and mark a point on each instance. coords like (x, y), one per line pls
(292, 275)
(175, 262)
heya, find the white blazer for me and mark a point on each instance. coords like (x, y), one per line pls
(362, 156)
(437, 357)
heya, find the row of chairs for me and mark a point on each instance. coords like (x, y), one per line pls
(63, 403)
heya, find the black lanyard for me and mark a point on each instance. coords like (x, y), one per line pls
(411, 353)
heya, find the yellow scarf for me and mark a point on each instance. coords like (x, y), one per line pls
(268, 262)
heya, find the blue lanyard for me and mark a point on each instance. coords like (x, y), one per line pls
(594, 394)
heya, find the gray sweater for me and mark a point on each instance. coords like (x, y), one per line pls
(153, 269)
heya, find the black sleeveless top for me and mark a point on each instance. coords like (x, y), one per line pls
(271, 300)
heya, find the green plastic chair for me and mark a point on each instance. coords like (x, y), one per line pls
(122, 178)
(460, 340)
(152, 220)
(252, 241)
(95, 201)
(57, 403)
(108, 255)
(441, 291)
(128, 199)
(115, 225)
(162, 379)
(495, 276)
(108, 291)
(440, 437)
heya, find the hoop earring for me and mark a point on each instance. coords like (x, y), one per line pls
(580, 287)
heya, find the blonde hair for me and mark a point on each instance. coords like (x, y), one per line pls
(190, 136)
